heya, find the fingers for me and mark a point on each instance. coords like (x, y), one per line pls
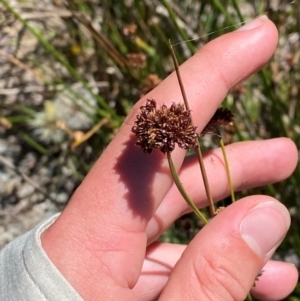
(158, 265)
(252, 164)
(133, 183)
(223, 260)
(104, 223)
(276, 282)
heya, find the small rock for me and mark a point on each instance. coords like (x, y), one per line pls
(25, 190)
(62, 198)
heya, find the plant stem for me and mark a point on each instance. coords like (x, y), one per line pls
(199, 153)
(227, 170)
(179, 29)
(182, 190)
(237, 9)
(224, 11)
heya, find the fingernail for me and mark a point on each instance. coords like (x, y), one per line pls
(254, 23)
(264, 227)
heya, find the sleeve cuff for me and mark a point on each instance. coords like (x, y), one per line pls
(26, 272)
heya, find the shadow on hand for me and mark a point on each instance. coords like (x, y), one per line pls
(138, 171)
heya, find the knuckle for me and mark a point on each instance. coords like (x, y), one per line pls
(218, 280)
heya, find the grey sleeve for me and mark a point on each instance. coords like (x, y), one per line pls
(27, 274)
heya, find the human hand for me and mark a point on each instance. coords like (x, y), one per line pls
(103, 242)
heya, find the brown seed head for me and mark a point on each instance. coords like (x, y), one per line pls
(222, 117)
(137, 59)
(130, 29)
(162, 128)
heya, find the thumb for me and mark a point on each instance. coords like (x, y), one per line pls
(223, 260)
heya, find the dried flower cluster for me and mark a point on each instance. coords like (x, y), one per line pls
(149, 83)
(163, 127)
(221, 117)
(130, 29)
(136, 59)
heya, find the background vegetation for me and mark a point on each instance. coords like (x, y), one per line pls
(71, 70)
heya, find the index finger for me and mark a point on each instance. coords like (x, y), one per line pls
(139, 181)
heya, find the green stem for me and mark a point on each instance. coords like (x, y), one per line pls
(237, 9)
(227, 171)
(179, 29)
(182, 191)
(224, 11)
(199, 153)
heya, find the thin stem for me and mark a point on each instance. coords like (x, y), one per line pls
(227, 170)
(182, 190)
(199, 153)
(205, 180)
(179, 29)
(179, 77)
(237, 9)
(224, 11)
